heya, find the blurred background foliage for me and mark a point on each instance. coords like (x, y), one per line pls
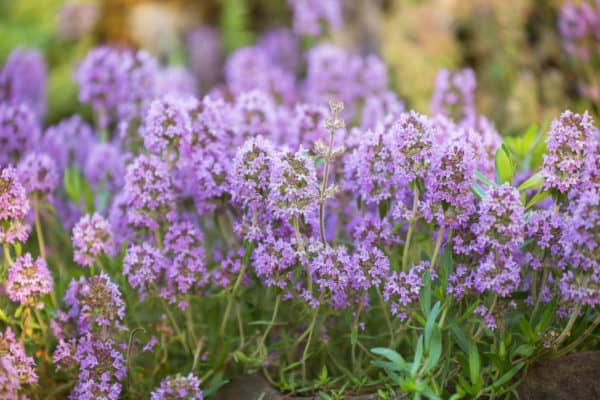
(513, 46)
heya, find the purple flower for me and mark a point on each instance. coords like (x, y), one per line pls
(178, 388)
(100, 366)
(16, 368)
(311, 15)
(95, 304)
(403, 288)
(14, 206)
(23, 80)
(282, 47)
(381, 108)
(37, 172)
(544, 232)
(413, 134)
(105, 165)
(370, 170)
(142, 266)
(184, 245)
(306, 125)
(454, 95)
(448, 197)
(165, 123)
(294, 188)
(117, 84)
(68, 142)
(567, 140)
(148, 190)
(257, 114)
(92, 236)
(28, 280)
(19, 132)
(581, 237)
(176, 81)
(274, 260)
(205, 54)
(251, 172)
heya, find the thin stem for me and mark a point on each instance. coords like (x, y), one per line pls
(580, 338)
(541, 292)
(567, 331)
(482, 324)
(436, 250)
(300, 244)
(190, 320)
(38, 230)
(355, 327)
(385, 314)
(238, 281)
(40, 320)
(323, 188)
(273, 317)
(411, 227)
(7, 256)
(310, 333)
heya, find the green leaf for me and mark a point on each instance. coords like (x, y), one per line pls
(71, 183)
(474, 362)
(425, 295)
(478, 191)
(504, 166)
(354, 336)
(508, 376)
(418, 356)
(484, 179)
(391, 355)
(460, 337)
(547, 315)
(535, 181)
(526, 329)
(431, 323)
(524, 350)
(435, 348)
(539, 196)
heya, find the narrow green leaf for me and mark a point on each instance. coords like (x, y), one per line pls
(535, 181)
(354, 336)
(474, 362)
(391, 355)
(485, 179)
(431, 323)
(504, 165)
(418, 356)
(539, 196)
(425, 295)
(526, 329)
(478, 191)
(435, 349)
(508, 376)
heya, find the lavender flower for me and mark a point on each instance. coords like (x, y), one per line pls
(176, 81)
(23, 80)
(142, 266)
(294, 188)
(544, 231)
(382, 108)
(95, 304)
(567, 139)
(251, 172)
(448, 197)
(581, 236)
(37, 172)
(14, 206)
(282, 47)
(306, 125)
(178, 388)
(19, 131)
(274, 260)
(454, 95)
(16, 368)
(100, 365)
(579, 28)
(413, 135)
(205, 54)
(311, 15)
(148, 190)
(28, 280)
(165, 123)
(68, 142)
(92, 236)
(257, 114)
(184, 245)
(105, 166)
(403, 288)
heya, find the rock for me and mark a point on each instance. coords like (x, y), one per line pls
(571, 377)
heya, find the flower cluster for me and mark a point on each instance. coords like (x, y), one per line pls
(92, 237)
(309, 15)
(16, 368)
(28, 280)
(454, 95)
(19, 130)
(14, 206)
(37, 172)
(178, 388)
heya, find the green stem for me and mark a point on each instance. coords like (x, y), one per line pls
(40, 320)
(38, 230)
(238, 281)
(355, 328)
(273, 317)
(411, 227)
(567, 331)
(386, 314)
(436, 250)
(323, 188)
(7, 256)
(580, 338)
(541, 292)
(310, 333)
